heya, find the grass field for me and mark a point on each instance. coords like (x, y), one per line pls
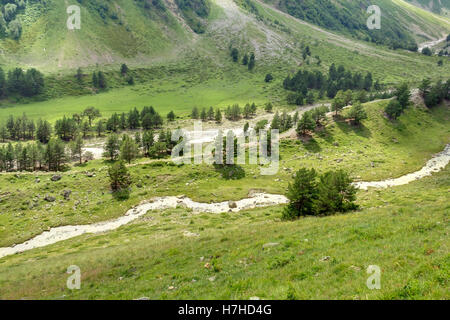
(375, 151)
(178, 254)
(202, 74)
(403, 230)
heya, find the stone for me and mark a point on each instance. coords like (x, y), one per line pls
(189, 234)
(66, 194)
(327, 258)
(56, 177)
(232, 204)
(270, 245)
(49, 198)
(355, 268)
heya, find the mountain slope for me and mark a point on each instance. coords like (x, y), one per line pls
(437, 6)
(110, 30)
(145, 32)
(401, 25)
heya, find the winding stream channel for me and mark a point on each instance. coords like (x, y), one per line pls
(54, 235)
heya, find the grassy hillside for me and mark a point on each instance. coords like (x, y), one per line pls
(402, 230)
(401, 26)
(378, 150)
(110, 31)
(437, 6)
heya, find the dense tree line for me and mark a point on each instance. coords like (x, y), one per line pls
(337, 79)
(34, 156)
(233, 113)
(22, 128)
(146, 119)
(18, 82)
(146, 143)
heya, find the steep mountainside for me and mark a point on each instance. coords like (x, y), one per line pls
(436, 6)
(151, 32)
(401, 27)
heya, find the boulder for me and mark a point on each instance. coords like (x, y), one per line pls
(232, 204)
(66, 194)
(270, 245)
(49, 198)
(56, 177)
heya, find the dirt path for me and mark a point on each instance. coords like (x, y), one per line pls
(431, 44)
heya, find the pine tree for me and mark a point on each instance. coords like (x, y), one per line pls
(102, 84)
(235, 54)
(204, 115)
(76, 147)
(194, 113)
(112, 147)
(251, 63)
(245, 60)
(276, 122)
(171, 116)
(95, 80)
(100, 128)
(302, 195)
(148, 141)
(120, 179)
(357, 113)
(218, 116)
(306, 124)
(211, 113)
(129, 149)
(338, 102)
(79, 75)
(124, 69)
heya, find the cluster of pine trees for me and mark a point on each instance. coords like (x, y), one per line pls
(313, 194)
(34, 156)
(337, 79)
(99, 80)
(146, 143)
(207, 115)
(232, 113)
(146, 119)
(19, 82)
(247, 60)
(311, 120)
(22, 128)
(396, 106)
(433, 95)
(283, 122)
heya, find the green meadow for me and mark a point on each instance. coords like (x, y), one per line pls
(402, 230)
(377, 150)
